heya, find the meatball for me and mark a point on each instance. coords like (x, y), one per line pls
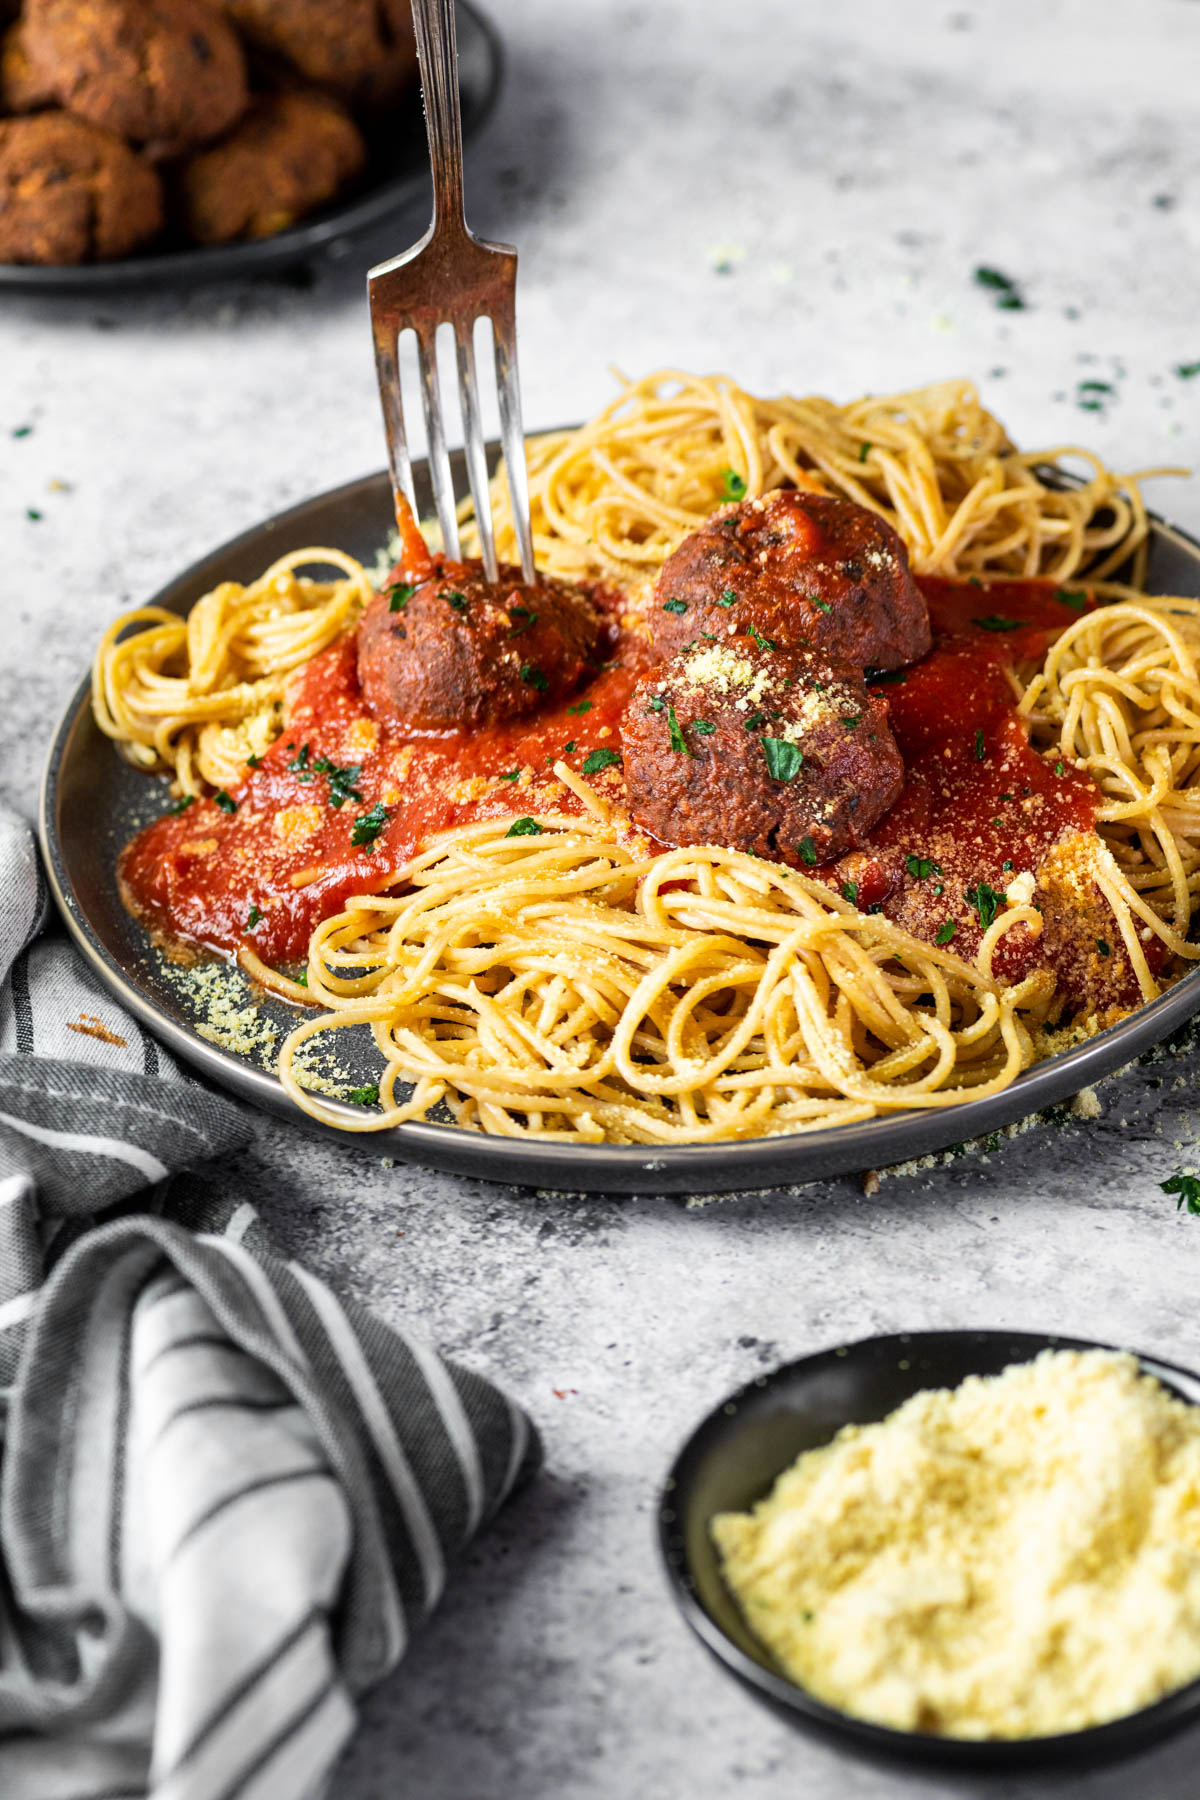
(780, 752)
(24, 85)
(168, 74)
(808, 571)
(71, 193)
(363, 49)
(460, 651)
(291, 154)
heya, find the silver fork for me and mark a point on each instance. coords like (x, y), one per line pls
(452, 277)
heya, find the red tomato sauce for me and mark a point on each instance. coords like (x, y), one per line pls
(979, 805)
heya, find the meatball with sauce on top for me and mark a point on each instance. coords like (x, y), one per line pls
(809, 571)
(455, 650)
(779, 752)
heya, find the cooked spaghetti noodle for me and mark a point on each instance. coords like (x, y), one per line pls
(198, 695)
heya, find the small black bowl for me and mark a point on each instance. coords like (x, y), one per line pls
(734, 1457)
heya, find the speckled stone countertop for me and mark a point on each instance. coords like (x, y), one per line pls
(797, 194)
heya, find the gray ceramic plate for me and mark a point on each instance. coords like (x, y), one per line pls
(87, 782)
(398, 172)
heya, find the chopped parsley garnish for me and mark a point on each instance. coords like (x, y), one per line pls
(850, 892)
(570, 746)
(254, 918)
(702, 728)
(863, 452)
(368, 825)
(1187, 1187)
(808, 851)
(1095, 387)
(656, 703)
(182, 805)
(595, 760)
(922, 867)
(457, 600)
(728, 598)
(534, 677)
(364, 1096)
(341, 779)
(581, 706)
(876, 677)
(1185, 372)
(826, 606)
(301, 758)
(254, 762)
(525, 827)
(674, 606)
(1007, 864)
(1104, 947)
(399, 595)
(302, 978)
(946, 932)
(980, 751)
(1075, 598)
(526, 619)
(756, 721)
(851, 720)
(509, 775)
(678, 741)
(986, 902)
(31, 512)
(1007, 293)
(21, 431)
(225, 801)
(733, 485)
(783, 758)
(764, 643)
(998, 622)
(1058, 768)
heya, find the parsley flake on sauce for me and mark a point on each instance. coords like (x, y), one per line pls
(570, 747)
(1058, 768)
(1104, 947)
(1187, 1187)
(456, 600)
(367, 826)
(254, 918)
(877, 677)
(808, 851)
(509, 775)
(182, 805)
(364, 1096)
(825, 606)
(341, 779)
(225, 801)
(850, 892)
(764, 643)
(783, 758)
(728, 598)
(755, 722)
(733, 485)
(674, 606)
(946, 932)
(980, 751)
(851, 720)
(1075, 598)
(922, 867)
(998, 622)
(582, 706)
(702, 728)
(656, 703)
(986, 902)
(595, 760)
(526, 619)
(525, 827)
(300, 760)
(254, 762)
(534, 677)
(678, 741)
(399, 595)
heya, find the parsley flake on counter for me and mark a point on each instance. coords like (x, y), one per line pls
(595, 760)
(31, 512)
(807, 851)
(21, 431)
(253, 918)
(581, 706)
(364, 1096)
(986, 902)
(850, 892)
(783, 758)
(225, 801)
(534, 677)
(367, 826)
(728, 598)
(525, 827)
(399, 595)
(1187, 1187)
(946, 932)
(1185, 372)
(1008, 295)
(998, 622)
(182, 805)
(678, 741)
(674, 606)
(980, 750)
(733, 485)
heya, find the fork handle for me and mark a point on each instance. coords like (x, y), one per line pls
(437, 49)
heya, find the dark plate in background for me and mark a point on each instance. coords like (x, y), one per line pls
(86, 781)
(397, 172)
(732, 1461)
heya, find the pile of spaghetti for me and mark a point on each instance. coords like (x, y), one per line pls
(568, 982)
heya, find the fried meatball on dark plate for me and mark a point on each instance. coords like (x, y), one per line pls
(458, 651)
(24, 85)
(71, 193)
(292, 153)
(168, 74)
(778, 752)
(363, 49)
(809, 571)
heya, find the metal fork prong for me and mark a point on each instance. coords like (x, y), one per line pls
(476, 457)
(435, 436)
(512, 435)
(387, 369)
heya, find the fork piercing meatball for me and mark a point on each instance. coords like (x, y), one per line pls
(780, 752)
(811, 571)
(457, 651)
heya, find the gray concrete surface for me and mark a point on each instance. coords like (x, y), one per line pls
(798, 194)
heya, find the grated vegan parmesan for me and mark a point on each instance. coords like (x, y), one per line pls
(1016, 1557)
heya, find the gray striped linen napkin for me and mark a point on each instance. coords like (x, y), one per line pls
(226, 1496)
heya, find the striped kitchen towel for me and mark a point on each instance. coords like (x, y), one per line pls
(226, 1497)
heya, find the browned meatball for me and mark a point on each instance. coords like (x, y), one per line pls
(779, 752)
(168, 74)
(459, 651)
(809, 571)
(363, 49)
(291, 154)
(24, 84)
(70, 193)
